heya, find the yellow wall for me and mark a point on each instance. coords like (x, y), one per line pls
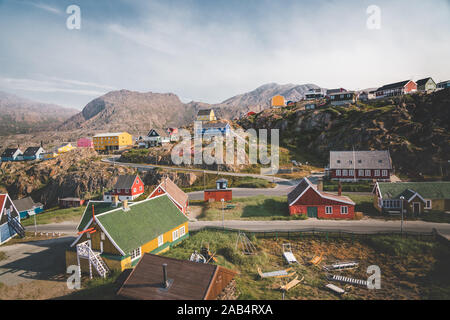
(210, 117)
(278, 101)
(65, 148)
(121, 140)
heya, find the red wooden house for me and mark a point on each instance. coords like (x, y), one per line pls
(221, 192)
(360, 165)
(178, 196)
(127, 187)
(396, 89)
(306, 199)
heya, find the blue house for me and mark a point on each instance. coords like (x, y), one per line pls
(214, 128)
(32, 153)
(9, 220)
(11, 154)
(27, 207)
(443, 84)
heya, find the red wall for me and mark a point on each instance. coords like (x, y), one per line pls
(136, 184)
(410, 86)
(217, 195)
(159, 191)
(311, 199)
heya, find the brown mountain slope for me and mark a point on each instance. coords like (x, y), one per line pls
(19, 115)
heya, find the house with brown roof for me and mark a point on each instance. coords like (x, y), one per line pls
(162, 278)
(127, 187)
(308, 200)
(178, 196)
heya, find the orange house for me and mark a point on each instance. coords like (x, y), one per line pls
(278, 101)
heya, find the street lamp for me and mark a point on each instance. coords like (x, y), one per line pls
(401, 224)
(223, 214)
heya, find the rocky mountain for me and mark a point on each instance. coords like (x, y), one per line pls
(137, 112)
(414, 128)
(19, 115)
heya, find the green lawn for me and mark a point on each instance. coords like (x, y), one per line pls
(55, 215)
(360, 186)
(364, 204)
(251, 208)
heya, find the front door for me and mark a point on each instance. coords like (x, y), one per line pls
(312, 212)
(416, 208)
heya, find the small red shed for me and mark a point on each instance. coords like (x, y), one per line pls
(306, 199)
(221, 192)
(70, 202)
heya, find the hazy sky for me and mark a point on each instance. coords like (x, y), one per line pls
(210, 50)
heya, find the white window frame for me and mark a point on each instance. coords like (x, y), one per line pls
(175, 235)
(345, 173)
(342, 210)
(328, 210)
(160, 240)
(102, 236)
(351, 173)
(136, 254)
(367, 172)
(338, 173)
(377, 173)
(426, 204)
(384, 173)
(182, 231)
(361, 172)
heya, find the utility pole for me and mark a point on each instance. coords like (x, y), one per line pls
(401, 223)
(35, 226)
(223, 214)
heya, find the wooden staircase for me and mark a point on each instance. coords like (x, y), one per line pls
(85, 251)
(16, 225)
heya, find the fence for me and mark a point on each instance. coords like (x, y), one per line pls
(324, 233)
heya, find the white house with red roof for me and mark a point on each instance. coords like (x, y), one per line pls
(306, 199)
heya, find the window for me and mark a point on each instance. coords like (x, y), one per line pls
(427, 204)
(136, 253)
(367, 173)
(350, 161)
(182, 231)
(140, 188)
(345, 173)
(175, 235)
(384, 173)
(377, 173)
(160, 240)
(351, 173)
(361, 173)
(328, 210)
(359, 161)
(338, 172)
(134, 189)
(344, 210)
(338, 161)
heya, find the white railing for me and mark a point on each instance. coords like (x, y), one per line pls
(85, 251)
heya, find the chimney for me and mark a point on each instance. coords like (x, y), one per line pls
(339, 188)
(165, 280)
(320, 184)
(125, 205)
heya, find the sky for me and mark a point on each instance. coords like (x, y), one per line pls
(210, 50)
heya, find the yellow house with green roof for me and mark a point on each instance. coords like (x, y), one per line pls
(116, 238)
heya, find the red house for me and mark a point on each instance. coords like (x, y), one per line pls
(306, 199)
(178, 196)
(127, 187)
(360, 165)
(221, 192)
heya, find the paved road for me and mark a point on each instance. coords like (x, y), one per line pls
(113, 160)
(362, 226)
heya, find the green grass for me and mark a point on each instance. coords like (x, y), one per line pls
(250, 208)
(55, 215)
(364, 204)
(398, 246)
(208, 181)
(435, 216)
(360, 186)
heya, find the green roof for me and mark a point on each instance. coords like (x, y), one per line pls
(144, 221)
(99, 207)
(428, 190)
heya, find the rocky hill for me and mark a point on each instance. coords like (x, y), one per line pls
(414, 128)
(137, 112)
(78, 173)
(19, 115)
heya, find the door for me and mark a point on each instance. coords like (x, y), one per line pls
(416, 207)
(312, 212)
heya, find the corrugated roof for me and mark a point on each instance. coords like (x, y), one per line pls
(31, 151)
(125, 181)
(298, 190)
(189, 280)
(428, 190)
(360, 160)
(174, 191)
(24, 204)
(144, 221)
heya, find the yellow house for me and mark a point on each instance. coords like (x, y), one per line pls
(206, 115)
(112, 141)
(48, 155)
(118, 237)
(278, 101)
(66, 147)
